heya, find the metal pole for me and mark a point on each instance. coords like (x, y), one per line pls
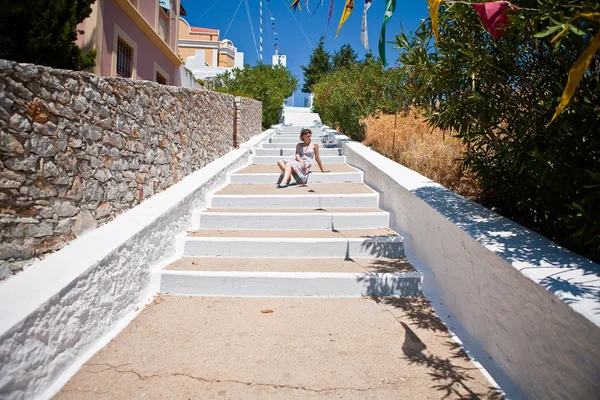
(261, 30)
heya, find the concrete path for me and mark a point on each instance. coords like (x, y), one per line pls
(284, 348)
(294, 293)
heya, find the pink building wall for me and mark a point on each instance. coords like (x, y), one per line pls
(148, 10)
(147, 52)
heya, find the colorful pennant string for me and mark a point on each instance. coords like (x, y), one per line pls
(364, 31)
(348, 8)
(493, 16)
(389, 11)
(296, 5)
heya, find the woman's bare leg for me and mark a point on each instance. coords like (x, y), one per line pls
(287, 174)
(281, 165)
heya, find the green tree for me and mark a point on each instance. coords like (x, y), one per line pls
(343, 97)
(344, 58)
(44, 32)
(269, 84)
(319, 64)
(499, 96)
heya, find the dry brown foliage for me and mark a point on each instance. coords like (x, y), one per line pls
(432, 152)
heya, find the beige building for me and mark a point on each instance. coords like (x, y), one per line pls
(204, 53)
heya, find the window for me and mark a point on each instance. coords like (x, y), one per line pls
(124, 59)
(161, 79)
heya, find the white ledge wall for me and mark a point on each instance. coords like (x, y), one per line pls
(495, 280)
(55, 310)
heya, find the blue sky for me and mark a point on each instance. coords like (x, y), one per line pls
(292, 41)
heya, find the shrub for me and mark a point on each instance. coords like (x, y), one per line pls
(269, 84)
(44, 32)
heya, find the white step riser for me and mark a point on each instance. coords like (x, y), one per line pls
(266, 145)
(292, 152)
(331, 177)
(288, 141)
(272, 160)
(245, 221)
(295, 136)
(290, 202)
(291, 247)
(289, 284)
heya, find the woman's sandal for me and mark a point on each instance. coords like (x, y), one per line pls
(280, 186)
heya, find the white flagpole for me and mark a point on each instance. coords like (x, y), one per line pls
(261, 30)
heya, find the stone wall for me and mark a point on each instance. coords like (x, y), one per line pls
(249, 119)
(77, 149)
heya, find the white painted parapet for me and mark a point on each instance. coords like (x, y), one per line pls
(52, 313)
(526, 308)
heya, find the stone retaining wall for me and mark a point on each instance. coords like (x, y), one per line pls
(250, 119)
(77, 149)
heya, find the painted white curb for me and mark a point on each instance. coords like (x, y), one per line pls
(315, 177)
(252, 221)
(53, 312)
(290, 284)
(390, 247)
(267, 160)
(360, 200)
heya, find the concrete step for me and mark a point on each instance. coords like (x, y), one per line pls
(284, 140)
(292, 243)
(312, 196)
(269, 174)
(263, 278)
(267, 145)
(273, 159)
(290, 219)
(292, 152)
(314, 177)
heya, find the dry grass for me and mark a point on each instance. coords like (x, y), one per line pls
(410, 141)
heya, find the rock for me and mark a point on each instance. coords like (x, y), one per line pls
(103, 210)
(80, 104)
(42, 146)
(84, 222)
(93, 191)
(21, 163)
(49, 169)
(103, 175)
(38, 230)
(63, 226)
(5, 270)
(9, 144)
(11, 180)
(91, 94)
(65, 209)
(75, 192)
(91, 132)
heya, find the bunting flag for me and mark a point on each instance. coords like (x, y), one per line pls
(493, 16)
(389, 11)
(364, 32)
(307, 9)
(576, 73)
(348, 8)
(434, 7)
(296, 5)
(330, 13)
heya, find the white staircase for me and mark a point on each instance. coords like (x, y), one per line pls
(327, 238)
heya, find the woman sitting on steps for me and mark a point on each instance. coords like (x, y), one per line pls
(306, 154)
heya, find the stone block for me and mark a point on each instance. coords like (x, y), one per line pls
(84, 222)
(11, 180)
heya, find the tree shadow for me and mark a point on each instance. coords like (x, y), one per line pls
(383, 246)
(518, 245)
(452, 379)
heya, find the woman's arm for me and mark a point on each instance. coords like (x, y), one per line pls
(298, 157)
(318, 158)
